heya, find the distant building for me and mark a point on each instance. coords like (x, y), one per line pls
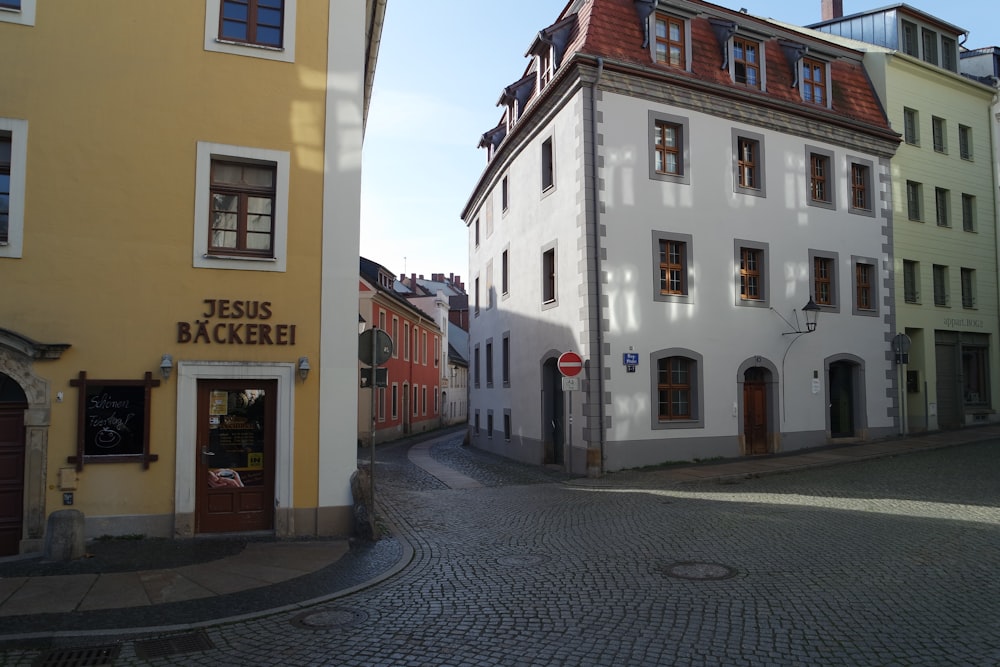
(675, 183)
(411, 400)
(180, 212)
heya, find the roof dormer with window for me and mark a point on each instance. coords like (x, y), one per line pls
(548, 49)
(742, 53)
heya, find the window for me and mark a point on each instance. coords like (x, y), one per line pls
(968, 212)
(975, 370)
(437, 352)
(910, 45)
(505, 273)
(949, 53)
(242, 220)
(251, 21)
(506, 424)
(751, 260)
(5, 152)
(864, 286)
(823, 281)
(548, 170)
(476, 232)
(861, 187)
(475, 367)
(505, 359)
(406, 341)
(968, 288)
(940, 134)
(914, 200)
(476, 425)
(241, 208)
(669, 47)
(929, 38)
(489, 362)
(416, 397)
(942, 207)
(423, 345)
(394, 401)
(672, 274)
(476, 290)
(940, 285)
(549, 276)
(911, 127)
(748, 163)
(395, 337)
(668, 155)
(21, 12)
(965, 142)
(504, 193)
(423, 400)
(489, 424)
(911, 281)
(254, 28)
(676, 389)
(667, 147)
(814, 81)
(820, 177)
(746, 62)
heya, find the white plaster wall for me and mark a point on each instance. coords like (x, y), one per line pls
(710, 323)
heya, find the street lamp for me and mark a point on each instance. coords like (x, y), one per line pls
(811, 311)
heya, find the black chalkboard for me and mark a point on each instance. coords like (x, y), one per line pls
(113, 420)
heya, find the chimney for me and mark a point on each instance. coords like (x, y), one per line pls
(413, 281)
(832, 9)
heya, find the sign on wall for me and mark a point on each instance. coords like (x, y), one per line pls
(113, 420)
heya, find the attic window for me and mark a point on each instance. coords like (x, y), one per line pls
(670, 44)
(545, 69)
(746, 62)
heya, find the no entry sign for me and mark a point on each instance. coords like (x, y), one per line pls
(570, 364)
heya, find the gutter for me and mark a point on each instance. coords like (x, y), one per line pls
(596, 470)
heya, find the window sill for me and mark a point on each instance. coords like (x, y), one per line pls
(250, 45)
(238, 257)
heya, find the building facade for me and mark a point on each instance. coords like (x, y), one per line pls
(174, 356)
(410, 401)
(679, 186)
(944, 207)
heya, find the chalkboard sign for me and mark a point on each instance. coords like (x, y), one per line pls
(113, 420)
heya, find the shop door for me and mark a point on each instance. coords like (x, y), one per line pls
(236, 446)
(949, 406)
(11, 477)
(755, 411)
(842, 399)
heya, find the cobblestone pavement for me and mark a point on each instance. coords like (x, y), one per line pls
(892, 562)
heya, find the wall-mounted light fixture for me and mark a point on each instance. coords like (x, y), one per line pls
(811, 312)
(166, 366)
(361, 324)
(304, 368)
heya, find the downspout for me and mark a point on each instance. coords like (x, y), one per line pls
(598, 470)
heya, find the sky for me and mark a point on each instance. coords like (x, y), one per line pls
(441, 67)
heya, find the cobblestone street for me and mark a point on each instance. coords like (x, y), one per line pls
(885, 562)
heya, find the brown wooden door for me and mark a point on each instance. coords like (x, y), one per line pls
(236, 447)
(755, 416)
(11, 478)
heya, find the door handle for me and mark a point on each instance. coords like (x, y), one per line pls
(205, 454)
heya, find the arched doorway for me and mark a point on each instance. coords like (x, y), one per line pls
(13, 403)
(756, 424)
(842, 399)
(553, 413)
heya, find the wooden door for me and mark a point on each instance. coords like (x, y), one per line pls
(236, 447)
(11, 477)
(755, 414)
(842, 400)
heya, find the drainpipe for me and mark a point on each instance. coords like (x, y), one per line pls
(596, 468)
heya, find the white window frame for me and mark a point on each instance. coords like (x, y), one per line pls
(202, 194)
(284, 54)
(18, 130)
(23, 16)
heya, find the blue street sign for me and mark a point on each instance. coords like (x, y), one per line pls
(630, 359)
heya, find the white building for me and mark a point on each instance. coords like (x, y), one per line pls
(674, 181)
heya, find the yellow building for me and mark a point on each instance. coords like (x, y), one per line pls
(177, 353)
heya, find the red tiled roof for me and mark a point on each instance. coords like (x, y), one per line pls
(610, 29)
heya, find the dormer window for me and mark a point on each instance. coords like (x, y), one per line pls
(669, 47)
(813, 82)
(746, 62)
(545, 69)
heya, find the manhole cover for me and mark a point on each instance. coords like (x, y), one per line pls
(330, 618)
(160, 647)
(699, 571)
(523, 560)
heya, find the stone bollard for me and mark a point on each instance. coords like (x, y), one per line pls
(64, 538)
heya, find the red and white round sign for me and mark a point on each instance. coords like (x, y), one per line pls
(570, 364)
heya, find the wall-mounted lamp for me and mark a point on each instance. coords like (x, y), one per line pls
(304, 368)
(361, 324)
(166, 366)
(811, 311)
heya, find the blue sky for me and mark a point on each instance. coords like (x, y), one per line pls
(441, 67)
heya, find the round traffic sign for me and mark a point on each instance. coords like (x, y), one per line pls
(570, 364)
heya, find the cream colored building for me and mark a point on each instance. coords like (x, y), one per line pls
(944, 239)
(183, 211)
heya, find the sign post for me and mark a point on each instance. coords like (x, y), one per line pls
(374, 349)
(570, 364)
